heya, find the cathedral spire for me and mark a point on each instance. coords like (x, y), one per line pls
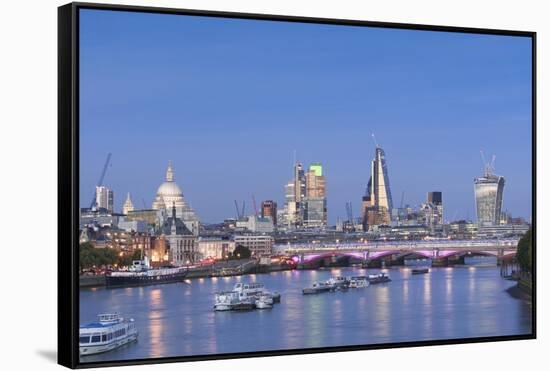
(128, 205)
(170, 172)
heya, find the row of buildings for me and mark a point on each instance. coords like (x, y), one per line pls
(305, 199)
(378, 209)
(168, 232)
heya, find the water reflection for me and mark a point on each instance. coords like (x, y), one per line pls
(177, 319)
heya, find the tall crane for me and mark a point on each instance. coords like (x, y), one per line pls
(349, 212)
(101, 178)
(254, 203)
(240, 213)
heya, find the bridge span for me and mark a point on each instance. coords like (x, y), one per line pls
(440, 251)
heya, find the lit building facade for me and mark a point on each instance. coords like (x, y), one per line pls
(215, 247)
(128, 205)
(259, 245)
(169, 194)
(305, 198)
(269, 210)
(377, 202)
(315, 201)
(488, 191)
(104, 198)
(433, 210)
(182, 242)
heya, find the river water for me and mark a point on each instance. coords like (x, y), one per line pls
(177, 319)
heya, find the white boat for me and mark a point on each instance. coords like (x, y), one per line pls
(253, 290)
(358, 282)
(264, 302)
(317, 288)
(245, 296)
(250, 289)
(226, 300)
(338, 282)
(109, 332)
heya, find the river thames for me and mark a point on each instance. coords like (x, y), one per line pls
(178, 320)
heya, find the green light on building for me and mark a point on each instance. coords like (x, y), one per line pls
(317, 168)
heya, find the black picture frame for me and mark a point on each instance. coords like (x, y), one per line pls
(68, 180)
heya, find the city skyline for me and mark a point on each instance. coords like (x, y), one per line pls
(432, 116)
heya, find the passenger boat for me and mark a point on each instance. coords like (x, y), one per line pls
(246, 296)
(358, 282)
(253, 290)
(378, 278)
(420, 270)
(226, 300)
(109, 332)
(142, 274)
(338, 282)
(250, 289)
(246, 304)
(264, 301)
(318, 287)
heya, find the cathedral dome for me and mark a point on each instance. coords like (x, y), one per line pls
(170, 189)
(169, 192)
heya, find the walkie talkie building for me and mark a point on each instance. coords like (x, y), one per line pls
(488, 194)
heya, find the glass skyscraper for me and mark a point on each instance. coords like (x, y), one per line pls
(488, 194)
(377, 202)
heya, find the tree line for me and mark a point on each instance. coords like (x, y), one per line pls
(524, 253)
(90, 257)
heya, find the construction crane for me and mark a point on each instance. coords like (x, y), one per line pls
(254, 204)
(349, 212)
(101, 178)
(240, 212)
(144, 205)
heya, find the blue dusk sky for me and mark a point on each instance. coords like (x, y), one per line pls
(228, 101)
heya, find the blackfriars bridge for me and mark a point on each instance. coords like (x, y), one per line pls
(442, 252)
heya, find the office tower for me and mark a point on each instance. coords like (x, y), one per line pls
(299, 193)
(434, 209)
(435, 198)
(269, 209)
(377, 202)
(488, 190)
(315, 201)
(104, 198)
(290, 205)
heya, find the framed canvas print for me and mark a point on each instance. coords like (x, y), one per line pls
(240, 185)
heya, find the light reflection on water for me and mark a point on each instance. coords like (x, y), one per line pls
(177, 319)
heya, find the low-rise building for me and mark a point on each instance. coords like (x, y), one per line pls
(259, 245)
(215, 247)
(139, 226)
(256, 224)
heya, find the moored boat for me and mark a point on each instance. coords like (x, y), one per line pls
(141, 274)
(226, 300)
(338, 282)
(317, 288)
(246, 296)
(247, 304)
(358, 282)
(378, 278)
(420, 270)
(264, 301)
(109, 332)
